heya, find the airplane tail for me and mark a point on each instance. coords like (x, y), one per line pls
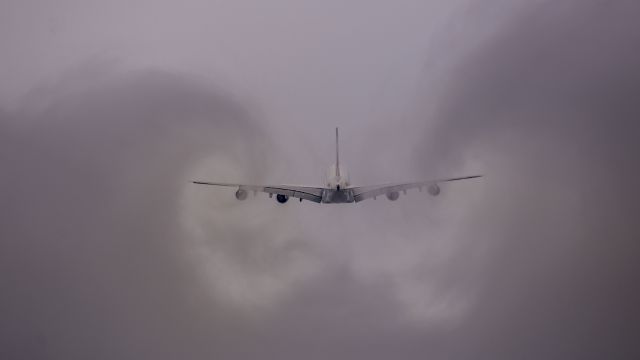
(337, 156)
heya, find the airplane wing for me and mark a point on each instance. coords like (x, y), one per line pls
(367, 192)
(301, 192)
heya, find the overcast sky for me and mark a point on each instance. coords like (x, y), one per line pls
(108, 109)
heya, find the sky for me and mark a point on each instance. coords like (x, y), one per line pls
(109, 109)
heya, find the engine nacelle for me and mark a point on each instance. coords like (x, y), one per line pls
(433, 190)
(282, 198)
(393, 195)
(241, 194)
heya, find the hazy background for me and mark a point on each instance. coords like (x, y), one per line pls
(107, 110)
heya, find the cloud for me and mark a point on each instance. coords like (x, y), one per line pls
(93, 257)
(548, 105)
(107, 250)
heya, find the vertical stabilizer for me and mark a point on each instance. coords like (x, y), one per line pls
(337, 156)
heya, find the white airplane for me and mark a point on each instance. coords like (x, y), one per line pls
(338, 189)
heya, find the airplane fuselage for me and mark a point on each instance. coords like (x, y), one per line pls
(337, 191)
(333, 196)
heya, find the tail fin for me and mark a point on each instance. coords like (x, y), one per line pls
(337, 156)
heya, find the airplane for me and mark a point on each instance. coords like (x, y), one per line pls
(338, 189)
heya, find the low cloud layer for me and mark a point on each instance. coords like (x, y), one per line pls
(108, 252)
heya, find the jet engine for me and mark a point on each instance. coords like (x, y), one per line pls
(241, 194)
(282, 198)
(434, 190)
(393, 195)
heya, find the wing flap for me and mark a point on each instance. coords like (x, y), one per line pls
(301, 192)
(367, 192)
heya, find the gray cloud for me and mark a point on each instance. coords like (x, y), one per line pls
(549, 105)
(92, 255)
(108, 252)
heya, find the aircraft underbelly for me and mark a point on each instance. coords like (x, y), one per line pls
(331, 196)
